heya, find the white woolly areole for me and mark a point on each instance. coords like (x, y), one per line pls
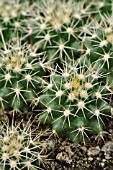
(94, 35)
(28, 77)
(1, 65)
(5, 156)
(43, 26)
(71, 96)
(67, 113)
(70, 30)
(54, 131)
(17, 91)
(13, 58)
(9, 66)
(59, 93)
(57, 25)
(6, 51)
(106, 57)
(48, 18)
(65, 75)
(27, 150)
(17, 24)
(22, 59)
(49, 109)
(13, 164)
(88, 85)
(7, 77)
(28, 164)
(5, 148)
(29, 65)
(6, 19)
(61, 47)
(81, 76)
(81, 104)
(67, 85)
(47, 37)
(30, 31)
(85, 29)
(98, 95)
(81, 129)
(66, 19)
(108, 30)
(83, 93)
(17, 153)
(14, 13)
(52, 74)
(103, 43)
(6, 139)
(33, 54)
(39, 156)
(97, 112)
(77, 16)
(20, 137)
(88, 51)
(17, 69)
(101, 4)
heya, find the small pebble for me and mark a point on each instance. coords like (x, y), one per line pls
(90, 158)
(102, 164)
(110, 130)
(94, 151)
(103, 160)
(108, 147)
(84, 148)
(107, 157)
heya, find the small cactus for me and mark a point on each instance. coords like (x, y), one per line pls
(56, 27)
(20, 76)
(20, 148)
(12, 14)
(74, 101)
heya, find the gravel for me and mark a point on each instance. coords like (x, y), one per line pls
(96, 155)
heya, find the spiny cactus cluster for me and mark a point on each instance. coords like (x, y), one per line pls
(12, 14)
(20, 149)
(75, 101)
(75, 95)
(60, 29)
(20, 76)
(63, 65)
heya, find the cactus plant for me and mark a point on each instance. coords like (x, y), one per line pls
(75, 101)
(20, 148)
(11, 19)
(56, 27)
(61, 64)
(20, 76)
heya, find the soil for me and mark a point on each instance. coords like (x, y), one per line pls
(94, 155)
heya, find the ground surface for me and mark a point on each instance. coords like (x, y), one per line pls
(95, 155)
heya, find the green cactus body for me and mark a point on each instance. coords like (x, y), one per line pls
(58, 28)
(12, 14)
(20, 77)
(74, 101)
